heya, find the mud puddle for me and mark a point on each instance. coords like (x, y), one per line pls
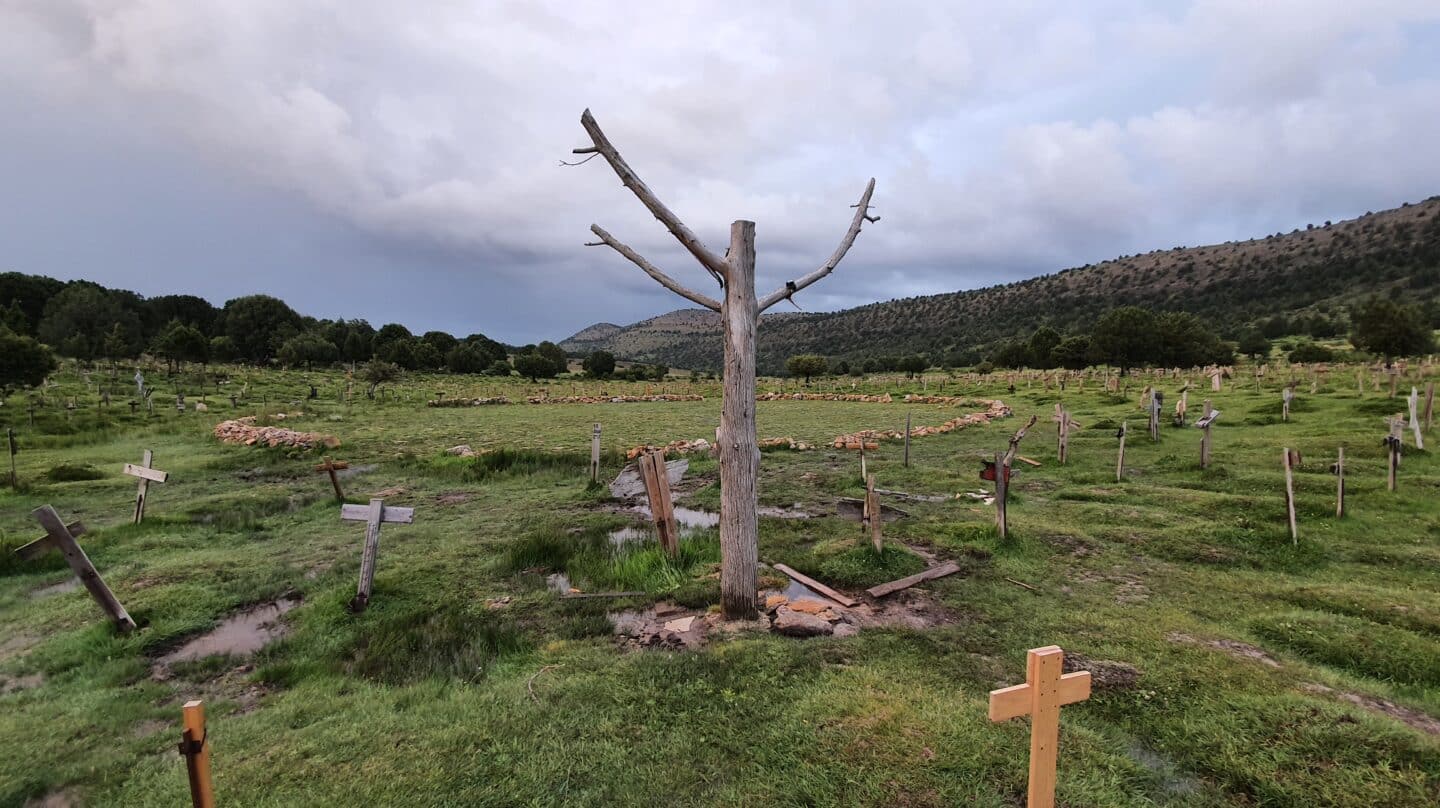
(68, 585)
(239, 635)
(692, 522)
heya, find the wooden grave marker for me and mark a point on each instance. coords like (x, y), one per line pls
(595, 454)
(907, 439)
(373, 515)
(1414, 402)
(656, 477)
(1157, 404)
(1120, 459)
(1290, 497)
(195, 748)
(1393, 444)
(1286, 396)
(147, 475)
(1002, 477)
(60, 536)
(331, 466)
(1047, 688)
(14, 450)
(1429, 414)
(1204, 425)
(870, 516)
(1340, 483)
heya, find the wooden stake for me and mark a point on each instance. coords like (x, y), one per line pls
(1414, 402)
(907, 440)
(657, 490)
(1204, 424)
(195, 748)
(595, 454)
(871, 515)
(1340, 484)
(1429, 413)
(1120, 460)
(1392, 442)
(1047, 688)
(1290, 498)
(1285, 396)
(1002, 470)
(147, 475)
(60, 536)
(373, 515)
(10, 440)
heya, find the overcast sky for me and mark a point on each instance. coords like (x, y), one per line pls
(400, 161)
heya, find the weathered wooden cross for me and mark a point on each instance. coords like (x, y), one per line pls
(1047, 688)
(60, 536)
(1286, 396)
(372, 515)
(656, 476)
(870, 515)
(1157, 405)
(333, 466)
(1414, 402)
(1120, 460)
(595, 454)
(1203, 425)
(1290, 495)
(147, 475)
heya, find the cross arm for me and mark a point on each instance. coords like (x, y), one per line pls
(43, 544)
(1013, 702)
(361, 513)
(862, 215)
(144, 472)
(712, 262)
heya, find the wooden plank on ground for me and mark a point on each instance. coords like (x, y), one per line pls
(937, 571)
(361, 513)
(839, 597)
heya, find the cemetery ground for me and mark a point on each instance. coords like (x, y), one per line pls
(1232, 666)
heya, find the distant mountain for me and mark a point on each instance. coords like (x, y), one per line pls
(1316, 271)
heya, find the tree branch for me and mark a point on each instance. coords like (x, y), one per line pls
(862, 215)
(651, 270)
(712, 262)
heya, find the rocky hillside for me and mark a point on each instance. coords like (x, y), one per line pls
(1318, 269)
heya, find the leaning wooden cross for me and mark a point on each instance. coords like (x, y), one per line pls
(60, 536)
(333, 466)
(1047, 688)
(656, 476)
(147, 475)
(372, 515)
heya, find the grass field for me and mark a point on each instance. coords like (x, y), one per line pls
(1270, 672)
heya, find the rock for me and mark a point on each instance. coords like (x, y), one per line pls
(799, 624)
(815, 607)
(845, 630)
(774, 602)
(628, 485)
(682, 624)
(200, 407)
(463, 450)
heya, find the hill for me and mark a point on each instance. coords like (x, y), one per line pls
(1314, 273)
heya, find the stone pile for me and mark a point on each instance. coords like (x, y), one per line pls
(244, 431)
(674, 447)
(656, 398)
(808, 617)
(869, 438)
(861, 397)
(468, 402)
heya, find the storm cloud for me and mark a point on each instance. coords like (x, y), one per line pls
(400, 162)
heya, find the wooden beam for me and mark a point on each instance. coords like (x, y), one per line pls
(1290, 498)
(195, 748)
(147, 474)
(838, 597)
(44, 544)
(389, 513)
(374, 516)
(937, 571)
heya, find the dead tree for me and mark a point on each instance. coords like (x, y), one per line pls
(739, 310)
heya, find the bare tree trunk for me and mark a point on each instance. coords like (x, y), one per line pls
(739, 449)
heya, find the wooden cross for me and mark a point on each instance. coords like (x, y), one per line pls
(1286, 396)
(1204, 425)
(657, 490)
(372, 515)
(147, 475)
(1340, 483)
(1047, 688)
(1414, 402)
(332, 466)
(60, 536)
(1120, 460)
(595, 454)
(1290, 496)
(870, 514)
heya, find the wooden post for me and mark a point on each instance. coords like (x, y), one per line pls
(1290, 498)
(1120, 460)
(373, 515)
(864, 473)
(595, 454)
(907, 439)
(147, 475)
(1414, 402)
(1340, 484)
(1285, 396)
(60, 536)
(195, 748)
(1392, 442)
(1157, 404)
(332, 466)
(872, 517)
(1204, 424)
(1047, 688)
(1429, 414)
(10, 441)
(1062, 431)
(657, 490)
(1002, 470)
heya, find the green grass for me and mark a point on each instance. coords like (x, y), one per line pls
(467, 682)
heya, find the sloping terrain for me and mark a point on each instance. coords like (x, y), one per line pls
(1318, 269)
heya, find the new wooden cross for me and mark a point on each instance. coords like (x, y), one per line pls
(372, 515)
(60, 536)
(332, 466)
(1047, 688)
(147, 475)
